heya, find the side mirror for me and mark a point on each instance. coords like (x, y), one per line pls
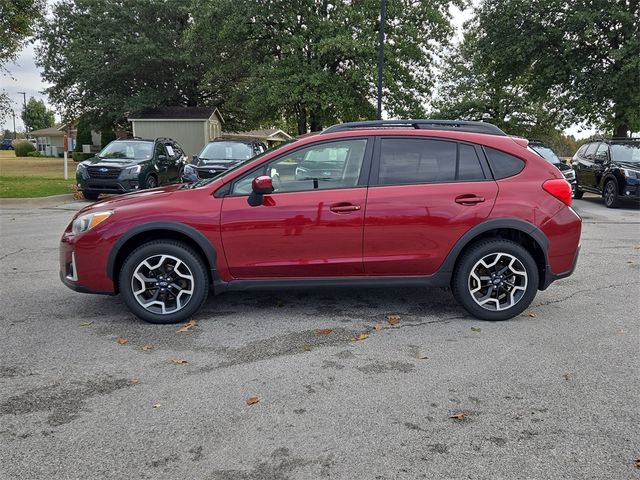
(194, 159)
(162, 158)
(262, 185)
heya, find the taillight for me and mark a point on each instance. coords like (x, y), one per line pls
(559, 188)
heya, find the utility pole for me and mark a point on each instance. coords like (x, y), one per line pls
(13, 112)
(383, 14)
(24, 102)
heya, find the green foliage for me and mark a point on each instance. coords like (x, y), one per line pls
(106, 58)
(7, 134)
(36, 115)
(34, 153)
(107, 136)
(83, 134)
(23, 147)
(314, 63)
(81, 157)
(581, 56)
(17, 19)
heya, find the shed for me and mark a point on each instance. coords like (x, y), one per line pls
(191, 127)
(49, 141)
(271, 136)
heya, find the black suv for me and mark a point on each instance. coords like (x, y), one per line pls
(130, 165)
(546, 152)
(6, 144)
(220, 155)
(610, 168)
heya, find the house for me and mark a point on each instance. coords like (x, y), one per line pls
(191, 127)
(270, 136)
(49, 141)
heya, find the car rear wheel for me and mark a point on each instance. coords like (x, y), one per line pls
(577, 193)
(610, 194)
(164, 281)
(495, 279)
(90, 195)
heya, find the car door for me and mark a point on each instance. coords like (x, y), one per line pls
(309, 226)
(585, 171)
(600, 161)
(161, 161)
(424, 194)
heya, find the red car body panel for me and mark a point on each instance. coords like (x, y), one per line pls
(405, 230)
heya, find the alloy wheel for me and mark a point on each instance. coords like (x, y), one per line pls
(609, 193)
(498, 281)
(162, 284)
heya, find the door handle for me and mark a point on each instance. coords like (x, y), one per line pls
(344, 207)
(469, 199)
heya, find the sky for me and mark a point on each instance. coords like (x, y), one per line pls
(25, 77)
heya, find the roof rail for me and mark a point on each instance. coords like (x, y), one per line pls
(459, 125)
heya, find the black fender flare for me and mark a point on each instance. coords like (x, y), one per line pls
(196, 236)
(446, 269)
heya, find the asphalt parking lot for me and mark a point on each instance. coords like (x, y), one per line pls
(551, 394)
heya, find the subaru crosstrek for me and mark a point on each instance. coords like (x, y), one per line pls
(414, 203)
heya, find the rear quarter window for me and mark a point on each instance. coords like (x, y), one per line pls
(502, 164)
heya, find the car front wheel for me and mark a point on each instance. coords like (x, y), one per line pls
(495, 279)
(164, 281)
(610, 194)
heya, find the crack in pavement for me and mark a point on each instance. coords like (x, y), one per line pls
(12, 253)
(577, 292)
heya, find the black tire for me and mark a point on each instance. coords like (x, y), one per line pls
(577, 193)
(150, 182)
(610, 194)
(195, 265)
(90, 195)
(461, 282)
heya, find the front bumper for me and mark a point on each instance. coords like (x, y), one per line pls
(117, 185)
(82, 264)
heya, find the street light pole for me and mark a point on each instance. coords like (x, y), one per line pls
(383, 13)
(13, 112)
(24, 102)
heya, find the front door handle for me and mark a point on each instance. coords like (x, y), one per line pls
(344, 207)
(469, 199)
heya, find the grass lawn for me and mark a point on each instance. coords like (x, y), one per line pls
(27, 177)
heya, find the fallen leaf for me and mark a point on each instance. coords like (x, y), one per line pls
(307, 348)
(629, 261)
(187, 326)
(475, 329)
(423, 358)
(377, 327)
(457, 416)
(325, 331)
(157, 405)
(362, 336)
(86, 324)
(122, 341)
(393, 319)
(566, 376)
(134, 381)
(252, 400)
(147, 348)
(638, 462)
(179, 361)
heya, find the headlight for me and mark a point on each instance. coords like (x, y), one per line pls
(88, 221)
(630, 173)
(133, 170)
(80, 168)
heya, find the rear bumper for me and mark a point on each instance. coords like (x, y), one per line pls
(551, 277)
(563, 233)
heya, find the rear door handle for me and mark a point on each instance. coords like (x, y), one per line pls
(344, 207)
(469, 199)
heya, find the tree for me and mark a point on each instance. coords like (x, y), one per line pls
(17, 18)
(36, 115)
(83, 134)
(582, 56)
(313, 62)
(107, 58)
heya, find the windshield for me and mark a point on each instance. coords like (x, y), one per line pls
(546, 153)
(626, 152)
(226, 151)
(132, 150)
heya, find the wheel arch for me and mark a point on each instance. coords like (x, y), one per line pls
(155, 231)
(519, 231)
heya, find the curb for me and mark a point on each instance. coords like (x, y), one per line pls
(38, 202)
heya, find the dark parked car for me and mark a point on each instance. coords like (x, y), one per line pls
(413, 203)
(130, 165)
(6, 144)
(220, 155)
(546, 152)
(610, 168)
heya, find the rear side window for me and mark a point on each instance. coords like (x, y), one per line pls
(502, 164)
(414, 161)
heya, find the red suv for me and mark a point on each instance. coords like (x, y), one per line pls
(388, 203)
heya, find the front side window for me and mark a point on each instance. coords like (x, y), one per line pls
(414, 161)
(319, 167)
(601, 153)
(590, 151)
